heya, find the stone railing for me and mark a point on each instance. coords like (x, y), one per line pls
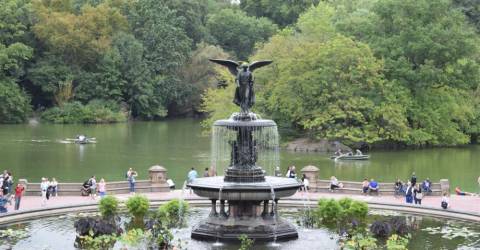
(157, 183)
(352, 187)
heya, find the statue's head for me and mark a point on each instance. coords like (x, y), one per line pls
(244, 66)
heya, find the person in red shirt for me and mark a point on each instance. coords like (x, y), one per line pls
(18, 195)
(460, 192)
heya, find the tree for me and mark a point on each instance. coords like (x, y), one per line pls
(431, 51)
(14, 102)
(238, 33)
(78, 38)
(49, 72)
(283, 13)
(165, 49)
(198, 74)
(471, 8)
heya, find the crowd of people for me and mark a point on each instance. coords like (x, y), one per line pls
(411, 189)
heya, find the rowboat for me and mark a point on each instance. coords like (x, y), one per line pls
(350, 157)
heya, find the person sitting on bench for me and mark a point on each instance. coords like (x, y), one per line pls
(334, 183)
(373, 186)
(427, 186)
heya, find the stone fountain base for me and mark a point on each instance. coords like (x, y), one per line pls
(258, 228)
(248, 208)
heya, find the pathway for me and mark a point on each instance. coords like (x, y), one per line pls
(466, 204)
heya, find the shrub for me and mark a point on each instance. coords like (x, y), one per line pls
(137, 206)
(96, 111)
(362, 242)
(172, 213)
(106, 241)
(357, 210)
(346, 214)
(329, 211)
(108, 207)
(396, 242)
(245, 242)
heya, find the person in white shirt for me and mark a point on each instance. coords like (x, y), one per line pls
(44, 188)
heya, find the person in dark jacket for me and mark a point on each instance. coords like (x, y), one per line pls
(413, 179)
(409, 193)
(417, 195)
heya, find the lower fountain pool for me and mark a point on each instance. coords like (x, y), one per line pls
(431, 233)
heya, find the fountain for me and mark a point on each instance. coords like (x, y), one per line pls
(245, 192)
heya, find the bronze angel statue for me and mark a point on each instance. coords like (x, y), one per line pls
(243, 72)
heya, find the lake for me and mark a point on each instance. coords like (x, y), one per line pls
(35, 151)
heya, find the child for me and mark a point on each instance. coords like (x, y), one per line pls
(102, 188)
(444, 203)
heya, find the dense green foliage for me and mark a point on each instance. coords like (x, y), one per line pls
(108, 206)
(93, 112)
(245, 242)
(237, 33)
(136, 54)
(364, 71)
(376, 72)
(138, 206)
(282, 13)
(341, 211)
(173, 213)
(14, 102)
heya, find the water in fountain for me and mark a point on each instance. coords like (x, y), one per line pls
(274, 210)
(267, 143)
(306, 208)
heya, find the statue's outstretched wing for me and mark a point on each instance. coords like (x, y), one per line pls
(258, 64)
(231, 65)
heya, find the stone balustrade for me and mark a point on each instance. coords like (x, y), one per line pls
(352, 187)
(157, 183)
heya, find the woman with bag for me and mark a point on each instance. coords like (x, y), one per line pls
(418, 195)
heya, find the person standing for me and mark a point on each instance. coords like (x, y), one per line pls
(132, 180)
(305, 183)
(10, 183)
(6, 183)
(44, 188)
(418, 195)
(413, 180)
(192, 175)
(102, 188)
(206, 173)
(292, 173)
(54, 185)
(93, 187)
(288, 172)
(18, 195)
(444, 203)
(409, 193)
(129, 172)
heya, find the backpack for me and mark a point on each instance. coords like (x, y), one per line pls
(444, 204)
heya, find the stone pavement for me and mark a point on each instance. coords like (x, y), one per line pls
(467, 204)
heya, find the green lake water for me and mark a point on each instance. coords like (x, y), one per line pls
(32, 152)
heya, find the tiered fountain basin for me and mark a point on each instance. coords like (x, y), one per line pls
(244, 209)
(277, 187)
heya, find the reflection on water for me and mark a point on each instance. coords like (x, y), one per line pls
(34, 151)
(59, 233)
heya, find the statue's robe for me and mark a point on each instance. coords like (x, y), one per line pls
(244, 94)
